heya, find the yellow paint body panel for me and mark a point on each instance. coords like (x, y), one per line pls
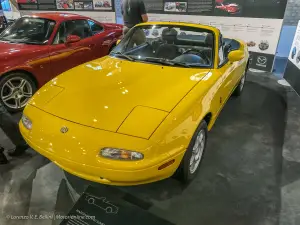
(137, 106)
(142, 122)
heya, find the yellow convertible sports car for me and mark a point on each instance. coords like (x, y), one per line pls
(142, 113)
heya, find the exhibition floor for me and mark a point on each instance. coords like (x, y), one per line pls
(250, 173)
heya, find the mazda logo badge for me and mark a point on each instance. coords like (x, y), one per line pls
(64, 130)
(262, 60)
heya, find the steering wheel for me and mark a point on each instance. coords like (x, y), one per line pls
(201, 54)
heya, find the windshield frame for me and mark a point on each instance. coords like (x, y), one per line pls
(115, 51)
(45, 42)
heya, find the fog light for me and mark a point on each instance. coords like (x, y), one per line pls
(26, 122)
(121, 154)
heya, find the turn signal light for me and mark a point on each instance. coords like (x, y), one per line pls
(166, 164)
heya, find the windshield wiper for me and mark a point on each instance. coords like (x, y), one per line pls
(180, 64)
(165, 62)
(29, 43)
(124, 56)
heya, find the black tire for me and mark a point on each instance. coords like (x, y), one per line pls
(239, 89)
(184, 172)
(28, 89)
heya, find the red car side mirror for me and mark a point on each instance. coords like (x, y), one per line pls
(72, 39)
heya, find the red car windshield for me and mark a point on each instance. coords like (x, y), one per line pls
(29, 30)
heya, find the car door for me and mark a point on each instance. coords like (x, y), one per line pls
(226, 72)
(64, 55)
(102, 39)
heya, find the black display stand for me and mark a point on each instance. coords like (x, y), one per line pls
(112, 207)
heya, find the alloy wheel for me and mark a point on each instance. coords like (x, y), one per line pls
(16, 92)
(242, 82)
(197, 152)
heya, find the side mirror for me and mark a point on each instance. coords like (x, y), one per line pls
(235, 55)
(72, 39)
(118, 41)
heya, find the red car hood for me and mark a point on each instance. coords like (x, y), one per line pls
(13, 54)
(9, 49)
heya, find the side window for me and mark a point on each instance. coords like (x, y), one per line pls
(95, 28)
(60, 36)
(80, 28)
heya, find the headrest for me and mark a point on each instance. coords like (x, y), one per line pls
(169, 35)
(71, 26)
(209, 40)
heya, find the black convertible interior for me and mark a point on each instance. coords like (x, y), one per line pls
(184, 48)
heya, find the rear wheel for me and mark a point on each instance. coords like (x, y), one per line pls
(15, 91)
(193, 156)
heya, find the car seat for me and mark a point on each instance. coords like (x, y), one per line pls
(168, 50)
(209, 42)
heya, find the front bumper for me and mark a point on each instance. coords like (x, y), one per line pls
(109, 176)
(84, 162)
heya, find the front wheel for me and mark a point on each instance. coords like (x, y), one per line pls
(15, 91)
(239, 89)
(192, 159)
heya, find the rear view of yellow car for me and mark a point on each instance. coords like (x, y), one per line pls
(142, 113)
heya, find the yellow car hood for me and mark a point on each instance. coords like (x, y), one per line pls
(102, 93)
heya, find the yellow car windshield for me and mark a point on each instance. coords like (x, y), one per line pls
(168, 44)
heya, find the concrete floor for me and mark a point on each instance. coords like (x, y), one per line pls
(250, 174)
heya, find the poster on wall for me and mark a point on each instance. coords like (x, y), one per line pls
(66, 5)
(264, 8)
(292, 71)
(230, 8)
(27, 4)
(104, 17)
(37, 4)
(175, 7)
(83, 5)
(102, 4)
(294, 55)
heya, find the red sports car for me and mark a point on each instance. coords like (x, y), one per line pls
(230, 8)
(37, 48)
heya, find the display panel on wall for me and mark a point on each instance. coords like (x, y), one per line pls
(104, 17)
(232, 8)
(261, 35)
(72, 5)
(292, 71)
